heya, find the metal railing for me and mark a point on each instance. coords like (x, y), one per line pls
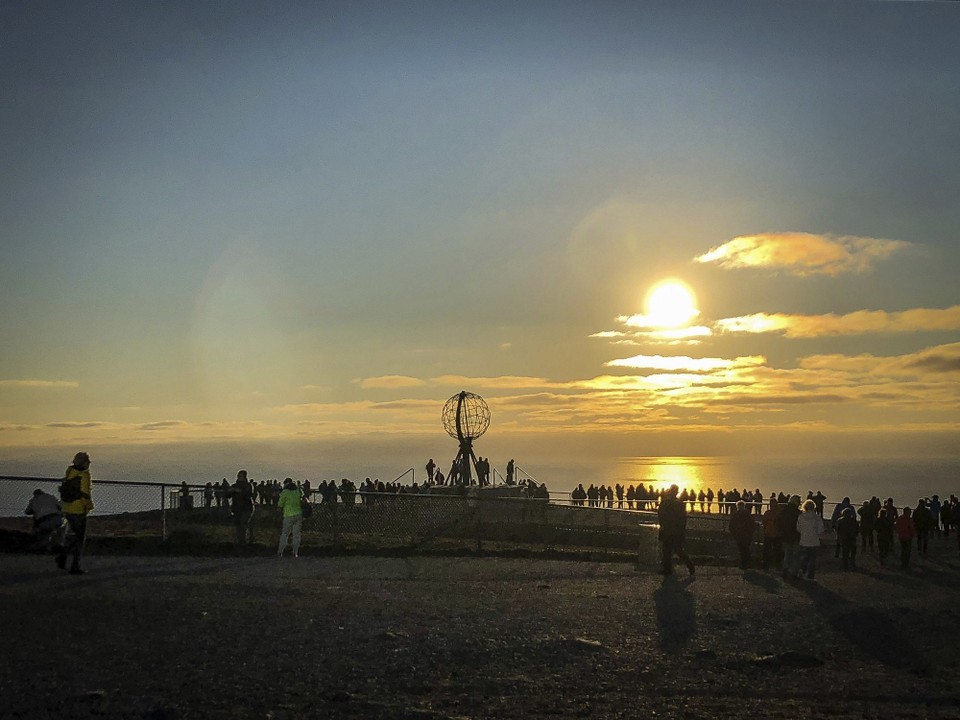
(442, 518)
(411, 472)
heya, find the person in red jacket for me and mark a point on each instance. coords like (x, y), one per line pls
(905, 533)
(742, 528)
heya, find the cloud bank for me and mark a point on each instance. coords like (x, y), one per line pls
(802, 253)
(855, 323)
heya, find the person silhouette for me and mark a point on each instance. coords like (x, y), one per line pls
(673, 530)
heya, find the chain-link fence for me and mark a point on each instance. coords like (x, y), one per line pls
(193, 517)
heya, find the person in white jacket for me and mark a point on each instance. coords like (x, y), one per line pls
(810, 527)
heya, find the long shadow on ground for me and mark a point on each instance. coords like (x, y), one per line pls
(676, 614)
(873, 632)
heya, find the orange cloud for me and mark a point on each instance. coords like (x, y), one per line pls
(40, 383)
(855, 323)
(802, 253)
(667, 336)
(930, 363)
(684, 363)
(389, 382)
(509, 382)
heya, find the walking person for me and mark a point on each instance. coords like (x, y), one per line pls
(673, 530)
(291, 505)
(810, 527)
(76, 501)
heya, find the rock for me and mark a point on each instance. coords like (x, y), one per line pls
(789, 659)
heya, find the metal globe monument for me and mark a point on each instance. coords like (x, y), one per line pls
(465, 418)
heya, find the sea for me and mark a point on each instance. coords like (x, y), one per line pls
(905, 479)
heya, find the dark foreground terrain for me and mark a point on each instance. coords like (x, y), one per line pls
(473, 637)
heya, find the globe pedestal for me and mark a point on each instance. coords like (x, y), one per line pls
(460, 473)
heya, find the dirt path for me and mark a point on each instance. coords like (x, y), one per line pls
(361, 637)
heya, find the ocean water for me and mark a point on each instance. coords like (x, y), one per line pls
(904, 479)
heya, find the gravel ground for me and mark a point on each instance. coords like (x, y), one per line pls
(474, 637)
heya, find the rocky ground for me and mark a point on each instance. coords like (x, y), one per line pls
(474, 637)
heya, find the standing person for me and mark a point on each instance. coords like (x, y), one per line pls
(673, 529)
(810, 526)
(905, 533)
(185, 498)
(772, 537)
(868, 522)
(208, 495)
(835, 518)
(935, 507)
(847, 532)
(76, 500)
(922, 523)
(884, 527)
(891, 509)
(818, 499)
(241, 506)
(742, 528)
(790, 536)
(430, 468)
(291, 507)
(946, 518)
(510, 466)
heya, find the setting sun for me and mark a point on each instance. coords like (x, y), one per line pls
(670, 304)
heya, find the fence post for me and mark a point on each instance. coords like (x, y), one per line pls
(606, 531)
(479, 523)
(336, 522)
(163, 513)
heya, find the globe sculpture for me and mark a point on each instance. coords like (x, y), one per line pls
(465, 418)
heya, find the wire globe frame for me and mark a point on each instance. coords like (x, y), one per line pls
(474, 416)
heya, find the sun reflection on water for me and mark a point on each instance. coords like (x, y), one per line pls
(662, 472)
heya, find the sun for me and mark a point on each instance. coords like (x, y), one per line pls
(670, 304)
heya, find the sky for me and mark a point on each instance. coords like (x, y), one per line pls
(257, 229)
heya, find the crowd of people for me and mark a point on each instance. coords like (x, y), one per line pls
(787, 530)
(790, 532)
(790, 528)
(641, 497)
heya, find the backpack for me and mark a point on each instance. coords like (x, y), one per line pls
(70, 489)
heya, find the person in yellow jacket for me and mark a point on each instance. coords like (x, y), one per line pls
(290, 506)
(75, 510)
